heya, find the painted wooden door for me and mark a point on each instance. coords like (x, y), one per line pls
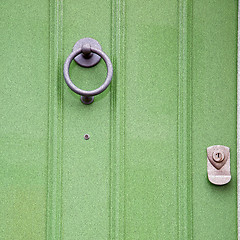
(143, 172)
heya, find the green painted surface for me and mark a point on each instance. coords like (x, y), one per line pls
(24, 67)
(142, 174)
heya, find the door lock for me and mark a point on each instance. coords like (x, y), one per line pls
(218, 164)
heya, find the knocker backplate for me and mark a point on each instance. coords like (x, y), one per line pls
(87, 61)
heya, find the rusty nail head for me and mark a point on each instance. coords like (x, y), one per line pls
(86, 136)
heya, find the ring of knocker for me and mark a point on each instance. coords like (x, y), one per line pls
(88, 51)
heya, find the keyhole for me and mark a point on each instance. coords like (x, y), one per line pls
(218, 156)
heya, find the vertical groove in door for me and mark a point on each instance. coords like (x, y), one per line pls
(117, 199)
(184, 186)
(54, 196)
(238, 123)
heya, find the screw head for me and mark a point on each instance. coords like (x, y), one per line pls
(86, 136)
(218, 156)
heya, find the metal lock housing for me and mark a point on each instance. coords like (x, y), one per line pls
(218, 164)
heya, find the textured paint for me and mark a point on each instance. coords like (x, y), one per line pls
(24, 67)
(214, 94)
(143, 172)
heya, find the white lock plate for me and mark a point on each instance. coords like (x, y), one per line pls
(218, 164)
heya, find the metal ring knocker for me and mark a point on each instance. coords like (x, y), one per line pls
(87, 53)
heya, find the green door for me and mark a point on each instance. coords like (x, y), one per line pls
(143, 172)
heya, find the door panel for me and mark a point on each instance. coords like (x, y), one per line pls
(214, 71)
(86, 164)
(24, 118)
(151, 113)
(143, 172)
